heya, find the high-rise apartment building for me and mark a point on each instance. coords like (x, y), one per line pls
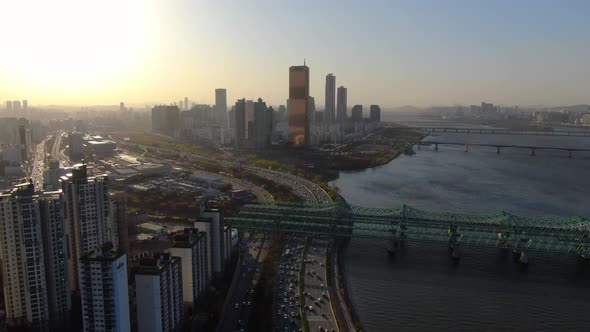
(16, 105)
(221, 106)
(33, 253)
(25, 104)
(297, 106)
(9, 105)
(211, 222)
(23, 261)
(118, 210)
(241, 124)
(158, 289)
(262, 125)
(87, 215)
(55, 248)
(165, 119)
(375, 113)
(341, 107)
(104, 290)
(191, 247)
(185, 103)
(330, 101)
(357, 113)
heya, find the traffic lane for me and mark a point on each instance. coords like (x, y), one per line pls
(317, 298)
(286, 306)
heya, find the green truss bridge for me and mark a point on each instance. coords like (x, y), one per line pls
(397, 225)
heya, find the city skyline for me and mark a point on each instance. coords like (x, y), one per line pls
(420, 53)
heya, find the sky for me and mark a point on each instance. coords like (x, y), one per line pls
(392, 53)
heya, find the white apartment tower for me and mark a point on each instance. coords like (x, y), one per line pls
(158, 287)
(211, 222)
(104, 291)
(191, 247)
(87, 215)
(23, 266)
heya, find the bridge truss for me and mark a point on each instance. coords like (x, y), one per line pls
(405, 223)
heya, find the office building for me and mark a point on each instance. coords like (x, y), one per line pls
(375, 113)
(25, 104)
(75, 146)
(121, 106)
(191, 247)
(341, 107)
(330, 101)
(185, 103)
(158, 289)
(87, 212)
(297, 106)
(166, 119)
(103, 290)
(357, 113)
(221, 106)
(9, 105)
(241, 124)
(23, 263)
(262, 125)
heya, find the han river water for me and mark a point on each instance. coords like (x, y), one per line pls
(420, 288)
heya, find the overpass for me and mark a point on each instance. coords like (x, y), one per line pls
(492, 131)
(400, 224)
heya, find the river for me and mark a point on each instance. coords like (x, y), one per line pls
(420, 288)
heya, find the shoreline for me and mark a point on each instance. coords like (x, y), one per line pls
(348, 319)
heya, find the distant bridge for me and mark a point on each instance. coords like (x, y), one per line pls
(501, 229)
(501, 146)
(490, 131)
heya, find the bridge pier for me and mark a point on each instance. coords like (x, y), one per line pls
(466, 147)
(435, 147)
(454, 244)
(497, 149)
(533, 152)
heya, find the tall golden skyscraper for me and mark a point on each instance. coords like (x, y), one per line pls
(297, 105)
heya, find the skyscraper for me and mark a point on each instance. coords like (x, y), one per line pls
(121, 106)
(25, 104)
(262, 125)
(158, 288)
(86, 215)
(221, 106)
(9, 105)
(375, 113)
(241, 124)
(330, 100)
(104, 291)
(297, 105)
(357, 113)
(341, 106)
(185, 103)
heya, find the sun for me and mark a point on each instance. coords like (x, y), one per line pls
(65, 45)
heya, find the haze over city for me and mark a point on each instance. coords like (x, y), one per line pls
(393, 53)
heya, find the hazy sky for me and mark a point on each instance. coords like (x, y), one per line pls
(388, 52)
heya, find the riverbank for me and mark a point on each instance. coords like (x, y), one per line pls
(341, 305)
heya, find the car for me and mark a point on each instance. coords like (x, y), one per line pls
(237, 306)
(279, 312)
